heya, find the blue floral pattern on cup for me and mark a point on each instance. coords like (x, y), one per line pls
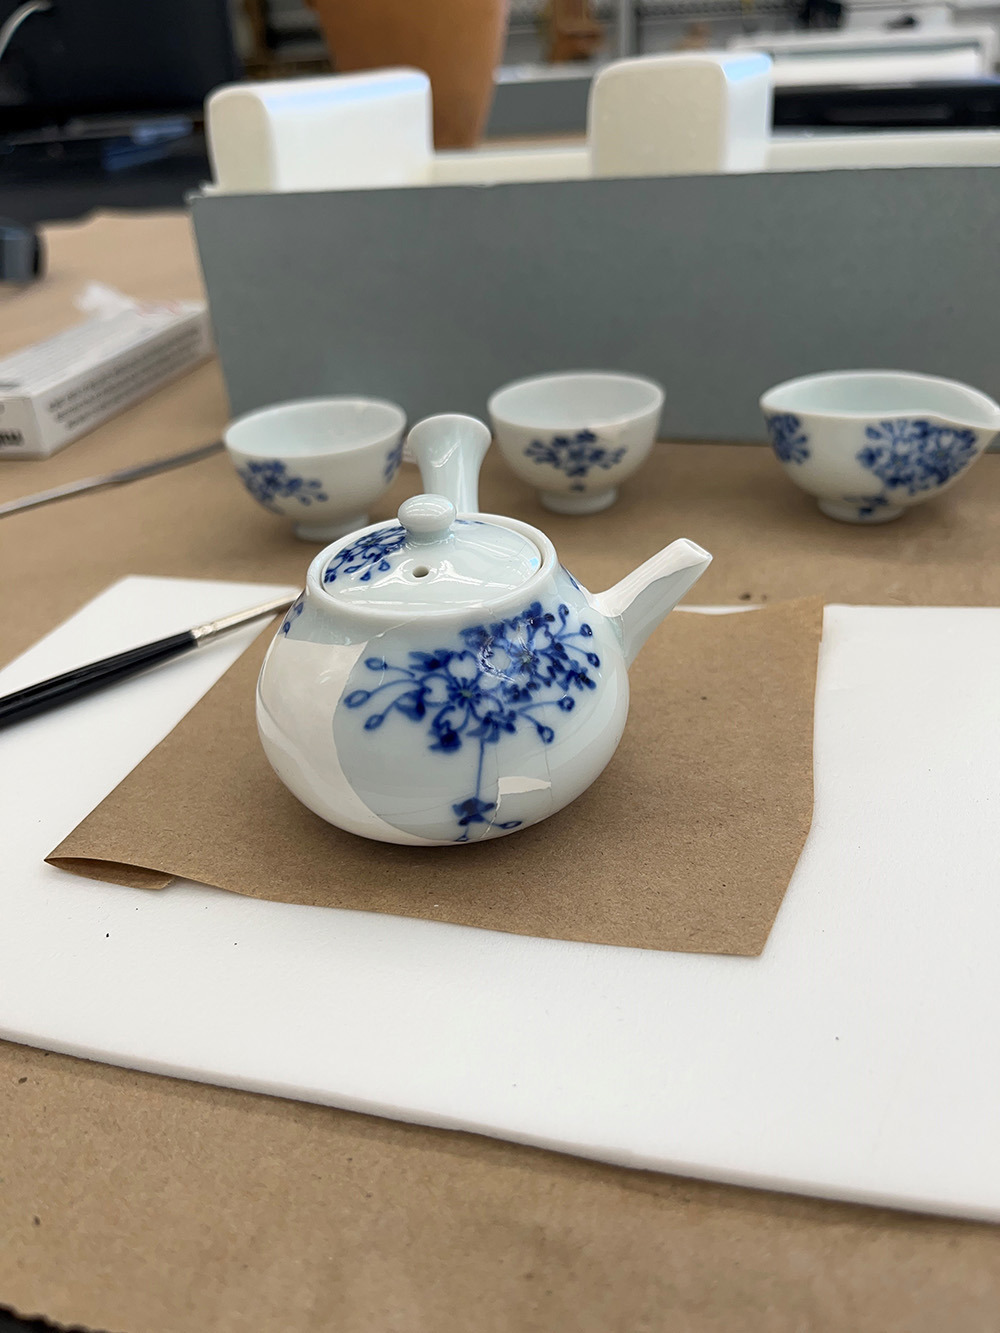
(574, 455)
(916, 455)
(268, 480)
(367, 556)
(392, 461)
(788, 440)
(867, 505)
(499, 679)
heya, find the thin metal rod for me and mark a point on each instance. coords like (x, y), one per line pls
(110, 479)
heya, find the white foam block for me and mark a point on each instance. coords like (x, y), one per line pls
(856, 1058)
(336, 132)
(682, 114)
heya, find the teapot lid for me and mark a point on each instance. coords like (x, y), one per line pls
(430, 560)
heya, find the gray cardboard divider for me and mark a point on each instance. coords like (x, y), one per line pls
(717, 286)
(542, 103)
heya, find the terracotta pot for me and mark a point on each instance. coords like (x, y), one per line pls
(458, 43)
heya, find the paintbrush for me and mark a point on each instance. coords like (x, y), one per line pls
(95, 676)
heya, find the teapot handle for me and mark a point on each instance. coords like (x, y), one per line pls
(449, 450)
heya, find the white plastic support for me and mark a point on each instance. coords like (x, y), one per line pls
(490, 166)
(682, 114)
(884, 148)
(339, 132)
(686, 114)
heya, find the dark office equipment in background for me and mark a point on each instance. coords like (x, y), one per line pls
(97, 58)
(823, 14)
(101, 103)
(953, 105)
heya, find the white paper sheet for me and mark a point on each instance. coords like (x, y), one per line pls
(856, 1058)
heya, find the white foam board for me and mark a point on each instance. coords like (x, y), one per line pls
(855, 1059)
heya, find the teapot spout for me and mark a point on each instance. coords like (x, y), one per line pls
(449, 450)
(643, 598)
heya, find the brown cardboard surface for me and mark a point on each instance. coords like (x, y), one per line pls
(137, 1203)
(687, 840)
(168, 1207)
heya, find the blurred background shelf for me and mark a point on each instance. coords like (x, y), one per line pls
(278, 37)
(77, 142)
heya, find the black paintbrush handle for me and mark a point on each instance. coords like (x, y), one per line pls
(86, 679)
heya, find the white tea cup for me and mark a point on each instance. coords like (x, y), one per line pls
(576, 436)
(871, 443)
(319, 461)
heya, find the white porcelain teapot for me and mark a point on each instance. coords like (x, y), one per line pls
(443, 678)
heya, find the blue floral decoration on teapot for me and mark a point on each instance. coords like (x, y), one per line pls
(501, 678)
(367, 556)
(292, 615)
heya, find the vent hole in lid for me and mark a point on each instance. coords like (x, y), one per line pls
(421, 572)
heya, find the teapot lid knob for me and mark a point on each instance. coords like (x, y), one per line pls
(427, 518)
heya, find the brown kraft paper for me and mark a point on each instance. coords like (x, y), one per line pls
(687, 841)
